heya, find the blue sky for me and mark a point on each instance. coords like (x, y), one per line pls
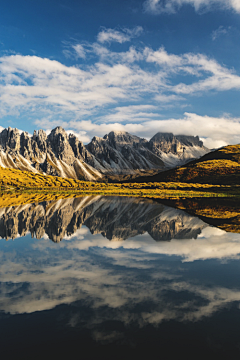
(140, 66)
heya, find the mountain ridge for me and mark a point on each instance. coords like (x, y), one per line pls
(116, 154)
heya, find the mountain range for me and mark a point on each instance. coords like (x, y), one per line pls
(118, 155)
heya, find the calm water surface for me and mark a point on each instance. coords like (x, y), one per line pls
(116, 278)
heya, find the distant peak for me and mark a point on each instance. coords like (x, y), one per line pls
(15, 130)
(119, 132)
(162, 136)
(120, 135)
(116, 134)
(58, 130)
(96, 138)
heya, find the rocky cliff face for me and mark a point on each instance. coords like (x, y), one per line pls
(121, 152)
(57, 154)
(176, 150)
(116, 218)
(117, 153)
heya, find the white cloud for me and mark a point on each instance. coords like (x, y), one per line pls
(220, 31)
(216, 76)
(214, 131)
(120, 36)
(80, 51)
(43, 81)
(30, 81)
(81, 135)
(133, 113)
(161, 57)
(171, 6)
(119, 90)
(168, 98)
(110, 35)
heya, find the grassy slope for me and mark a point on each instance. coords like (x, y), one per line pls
(218, 167)
(28, 187)
(20, 181)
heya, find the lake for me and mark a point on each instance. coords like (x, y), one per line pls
(116, 278)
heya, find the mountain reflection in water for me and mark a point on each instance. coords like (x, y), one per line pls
(116, 218)
(116, 299)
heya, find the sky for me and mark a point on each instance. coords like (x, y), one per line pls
(141, 66)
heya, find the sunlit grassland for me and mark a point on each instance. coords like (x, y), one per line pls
(19, 187)
(210, 171)
(216, 204)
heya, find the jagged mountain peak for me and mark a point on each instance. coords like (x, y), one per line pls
(58, 131)
(190, 140)
(10, 129)
(118, 153)
(183, 139)
(117, 137)
(117, 132)
(56, 154)
(121, 137)
(40, 134)
(160, 136)
(96, 139)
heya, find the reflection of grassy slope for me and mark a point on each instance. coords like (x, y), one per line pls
(222, 213)
(21, 198)
(218, 167)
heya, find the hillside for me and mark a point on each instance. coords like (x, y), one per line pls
(221, 166)
(21, 181)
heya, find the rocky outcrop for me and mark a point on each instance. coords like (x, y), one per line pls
(121, 152)
(116, 218)
(167, 142)
(176, 150)
(117, 153)
(55, 154)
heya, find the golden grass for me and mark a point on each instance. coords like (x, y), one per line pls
(22, 187)
(12, 178)
(41, 187)
(230, 149)
(208, 169)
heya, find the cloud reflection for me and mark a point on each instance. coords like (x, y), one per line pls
(137, 281)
